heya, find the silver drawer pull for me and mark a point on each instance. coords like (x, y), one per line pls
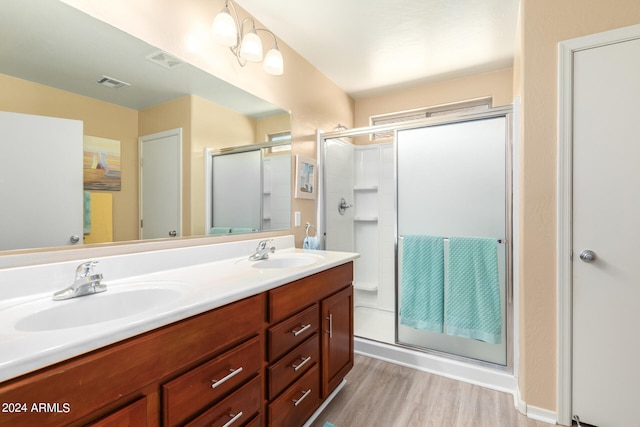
(301, 330)
(233, 419)
(301, 364)
(233, 373)
(296, 402)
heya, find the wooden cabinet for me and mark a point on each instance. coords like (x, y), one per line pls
(311, 324)
(298, 402)
(83, 389)
(337, 339)
(200, 387)
(235, 410)
(134, 414)
(265, 360)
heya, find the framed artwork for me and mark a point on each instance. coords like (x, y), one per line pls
(101, 164)
(305, 178)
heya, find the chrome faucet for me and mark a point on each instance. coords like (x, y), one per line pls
(86, 282)
(262, 251)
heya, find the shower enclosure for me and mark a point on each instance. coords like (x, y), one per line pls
(446, 179)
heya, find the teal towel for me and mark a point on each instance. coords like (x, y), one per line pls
(422, 293)
(219, 230)
(472, 308)
(328, 424)
(86, 225)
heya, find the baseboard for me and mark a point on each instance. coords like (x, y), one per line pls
(544, 415)
(533, 412)
(520, 404)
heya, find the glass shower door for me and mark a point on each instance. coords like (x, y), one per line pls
(452, 182)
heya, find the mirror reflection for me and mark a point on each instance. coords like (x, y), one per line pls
(50, 65)
(261, 173)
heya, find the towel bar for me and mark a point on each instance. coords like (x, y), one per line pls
(446, 238)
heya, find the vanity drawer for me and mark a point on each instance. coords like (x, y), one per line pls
(298, 402)
(241, 405)
(190, 392)
(291, 332)
(293, 365)
(287, 299)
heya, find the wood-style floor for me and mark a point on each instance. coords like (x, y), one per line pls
(383, 394)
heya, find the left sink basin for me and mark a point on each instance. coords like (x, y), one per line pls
(118, 302)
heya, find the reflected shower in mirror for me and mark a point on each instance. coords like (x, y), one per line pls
(51, 60)
(249, 188)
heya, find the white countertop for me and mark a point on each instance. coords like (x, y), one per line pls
(205, 286)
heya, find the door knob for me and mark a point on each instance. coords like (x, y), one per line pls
(173, 233)
(588, 256)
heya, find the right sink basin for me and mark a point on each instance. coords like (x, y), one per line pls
(287, 260)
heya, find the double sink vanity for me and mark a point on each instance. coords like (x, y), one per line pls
(193, 336)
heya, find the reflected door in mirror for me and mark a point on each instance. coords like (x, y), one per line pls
(41, 198)
(161, 184)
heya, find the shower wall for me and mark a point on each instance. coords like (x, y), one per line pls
(363, 176)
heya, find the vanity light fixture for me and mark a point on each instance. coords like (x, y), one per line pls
(246, 45)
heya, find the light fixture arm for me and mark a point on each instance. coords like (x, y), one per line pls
(243, 39)
(235, 49)
(275, 41)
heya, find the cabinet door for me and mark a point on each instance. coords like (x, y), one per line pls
(337, 339)
(134, 414)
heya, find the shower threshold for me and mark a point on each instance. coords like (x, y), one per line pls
(483, 375)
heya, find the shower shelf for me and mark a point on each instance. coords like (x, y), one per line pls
(366, 219)
(366, 286)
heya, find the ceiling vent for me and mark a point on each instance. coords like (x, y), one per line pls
(112, 83)
(164, 59)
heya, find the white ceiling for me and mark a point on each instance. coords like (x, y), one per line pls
(372, 46)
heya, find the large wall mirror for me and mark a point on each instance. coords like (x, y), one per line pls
(58, 62)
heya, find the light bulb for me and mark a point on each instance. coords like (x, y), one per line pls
(251, 47)
(273, 63)
(224, 29)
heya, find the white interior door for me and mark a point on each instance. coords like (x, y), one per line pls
(606, 221)
(161, 185)
(40, 181)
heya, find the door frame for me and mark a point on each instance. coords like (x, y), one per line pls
(564, 197)
(141, 140)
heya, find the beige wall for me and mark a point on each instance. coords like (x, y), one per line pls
(497, 84)
(271, 125)
(22, 96)
(544, 24)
